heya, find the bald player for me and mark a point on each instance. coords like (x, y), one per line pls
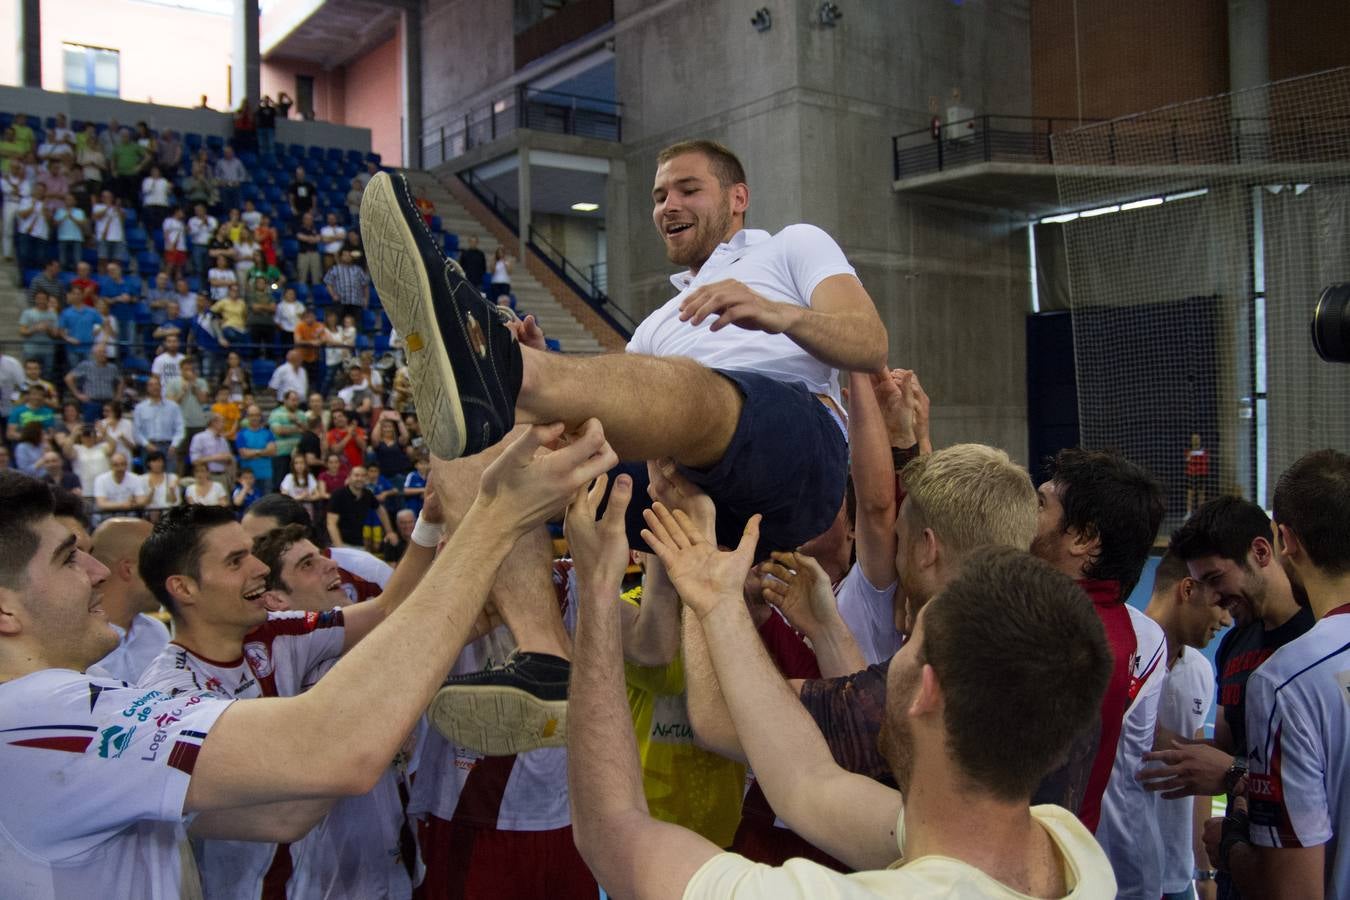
(126, 600)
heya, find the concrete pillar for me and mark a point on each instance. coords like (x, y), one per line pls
(618, 238)
(30, 43)
(410, 37)
(523, 192)
(246, 64)
(1249, 68)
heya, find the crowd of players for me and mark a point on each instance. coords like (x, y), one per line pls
(926, 662)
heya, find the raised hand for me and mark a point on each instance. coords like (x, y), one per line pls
(703, 575)
(732, 303)
(666, 485)
(600, 548)
(528, 333)
(799, 587)
(540, 471)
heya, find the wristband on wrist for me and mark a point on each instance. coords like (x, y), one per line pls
(900, 456)
(1236, 830)
(427, 534)
(1204, 874)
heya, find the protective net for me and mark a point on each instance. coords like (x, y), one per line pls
(1205, 232)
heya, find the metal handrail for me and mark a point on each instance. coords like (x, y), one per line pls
(524, 107)
(578, 281)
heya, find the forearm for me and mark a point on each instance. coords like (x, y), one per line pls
(837, 653)
(651, 632)
(378, 690)
(873, 481)
(334, 534)
(708, 714)
(843, 339)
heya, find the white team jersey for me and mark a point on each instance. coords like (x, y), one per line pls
(786, 267)
(1298, 732)
(869, 612)
(1187, 694)
(280, 658)
(95, 775)
(139, 646)
(1128, 829)
(363, 565)
(525, 792)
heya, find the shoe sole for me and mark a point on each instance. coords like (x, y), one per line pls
(404, 285)
(498, 721)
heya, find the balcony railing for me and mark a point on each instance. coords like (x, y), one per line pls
(1135, 141)
(525, 107)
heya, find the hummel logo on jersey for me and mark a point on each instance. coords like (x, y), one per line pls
(1199, 705)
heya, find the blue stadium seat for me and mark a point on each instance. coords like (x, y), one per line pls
(301, 290)
(215, 142)
(147, 263)
(334, 153)
(194, 283)
(452, 243)
(320, 295)
(381, 344)
(66, 279)
(193, 141)
(297, 151)
(130, 217)
(89, 255)
(29, 275)
(373, 157)
(249, 191)
(355, 156)
(368, 321)
(262, 372)
(249, 159)
(137, 239)
(435, 223)
(275, 193)
(290, 247)
(314, 153)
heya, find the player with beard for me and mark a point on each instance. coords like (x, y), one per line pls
(734, 378)
(970, 730)
(228, 642)
(1227, 545)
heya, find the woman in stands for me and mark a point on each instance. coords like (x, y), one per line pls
(204, 491)
(236, 379)
(501, 275)
(162, 486)
(90, 455)
(391, 442)
(119, 429)
(301, 484)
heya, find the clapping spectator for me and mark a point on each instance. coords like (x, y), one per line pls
(109, 232)
(347, 439)
(118, 428)
(175, 243)
(199, 188)
(245, 248)
(15, 186)
(34, 229)
(40, 329)
(156, 199)
(201, 230)
(90, 455)
(72, 230)
(236, 380)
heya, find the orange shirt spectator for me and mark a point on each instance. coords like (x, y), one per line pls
(309, 335)
(229, 411)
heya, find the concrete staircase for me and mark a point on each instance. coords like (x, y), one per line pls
(532, 296)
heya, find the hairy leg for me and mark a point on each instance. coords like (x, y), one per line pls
(651, 407)
(523, 592)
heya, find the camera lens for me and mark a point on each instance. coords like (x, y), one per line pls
(1331, 323)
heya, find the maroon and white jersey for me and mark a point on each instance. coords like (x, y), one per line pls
(95, 775)
(364, 575)
(1128, 829)
(525, 792)
(1298, 732)
(280, 658)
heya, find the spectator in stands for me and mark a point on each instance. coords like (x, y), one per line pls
(222, 278)
(233, 312)
(334, 474)
(222, 244)
(314, 439)
(284, 104)
(161, 487)
(272, 277)
(92, 165)
(123, 297)
(236, 380)
(34, 408)
(90, 454)
(201, 229)
(127, 160)
(159, 422)
(13, 146)
(48, 280)
(287, 318)
(301, 193)
(145, 139)
(250, 215)
(118, 427)
(85, 283)
(341, 339)
(69, 424)
(357, 250)
(72, 230)
(348, 439)
(14, 187)
(256, 445)
(169, 153)
(192, 396)
(309, 337)
(301, 484)
(290, 376)
(119, 490)
(415, 483)
(40, 329)
(78, 323)
(265, 127)
(94, 381)
(473, 262)
(174, 323)
(332, 237)
(308, 267)
(349, 286)
(52, 469)
(348, 509)
(32, 377)
(246, 492)
(245, 128)
(287, 423)
(230, 174)
(168, 365)
(34, 231)
(187, 299)
(358, 396)
(245, 248)
(354, 191)
(266, 236)
(262, 312)
(109, 230)
(156, 199)
(390, 449)
(157, 297)
(501, 275)
(372, 169)
(57, 184)
(174, 229)
(212, 448)
(204, 491)
(199, 188)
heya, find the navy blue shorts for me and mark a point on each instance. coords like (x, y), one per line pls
(787, 460)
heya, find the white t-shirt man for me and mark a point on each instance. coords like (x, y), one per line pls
(107, 487)
(729, 876)
(786, 267)
(1128, 828)
(220, 281)
(108, 223)
(138, 646)
(175, 234)
(169, 367)
(155, 191)
(1187, 695)
(1298, 729)
(202, 230)
(869, 612)
(31, 220)
(287, 378)
(96, 773)
(331, 238)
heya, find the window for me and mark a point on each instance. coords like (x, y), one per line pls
(91, 70)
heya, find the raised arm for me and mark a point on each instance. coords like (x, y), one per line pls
(850, 816)
(353, 721)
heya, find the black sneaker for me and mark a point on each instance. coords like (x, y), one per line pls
(463, 362)
(518, 707)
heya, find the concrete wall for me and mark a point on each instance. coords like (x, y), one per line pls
(375, 98)
(811, 111)
(467, 47)
(330, 86)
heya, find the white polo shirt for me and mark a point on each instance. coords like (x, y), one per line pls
(1187, 695)
(786, 267)
(140, 643)
(1298, 729)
